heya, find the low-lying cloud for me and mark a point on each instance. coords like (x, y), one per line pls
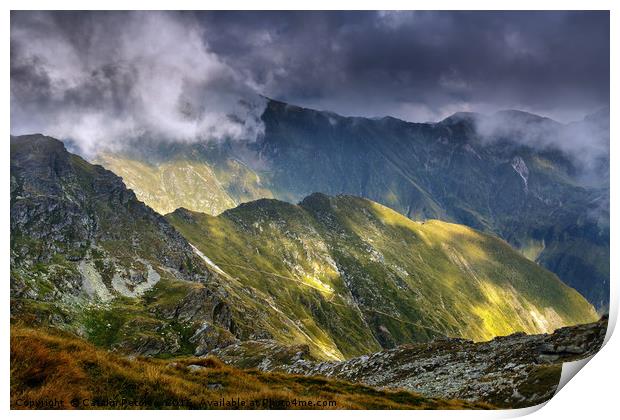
(585, 142)
(103, 80)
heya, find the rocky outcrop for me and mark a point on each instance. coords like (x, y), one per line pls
(514, 371)
(62, 205)
(262, 354)
(86, 255)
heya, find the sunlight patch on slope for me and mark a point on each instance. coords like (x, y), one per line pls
(532, 249)
(505, 312)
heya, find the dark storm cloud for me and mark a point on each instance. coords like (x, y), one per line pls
(419, 65)
(180, 75)
(103, 78)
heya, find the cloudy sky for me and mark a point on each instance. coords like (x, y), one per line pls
(97, 75)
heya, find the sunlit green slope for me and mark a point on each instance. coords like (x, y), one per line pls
(354, 276)
(184, 181)
(537, 199)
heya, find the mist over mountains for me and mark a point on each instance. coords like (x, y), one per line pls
(515, 183)
(417, 201)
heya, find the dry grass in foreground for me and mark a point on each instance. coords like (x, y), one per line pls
(48, 365)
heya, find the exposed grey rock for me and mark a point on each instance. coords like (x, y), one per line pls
(80, 240)
(62, 205)
(513, 371)
(262, 354)
(209, 337)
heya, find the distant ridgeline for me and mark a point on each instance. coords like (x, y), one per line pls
(537, 199)
(336, 277)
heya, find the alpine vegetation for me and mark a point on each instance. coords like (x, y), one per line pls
(326, 210)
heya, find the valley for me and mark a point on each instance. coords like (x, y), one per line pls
(288, 209)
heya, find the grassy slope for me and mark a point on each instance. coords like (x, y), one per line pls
(303, 299)
(186, 182)
(358, 275)
(47, 364)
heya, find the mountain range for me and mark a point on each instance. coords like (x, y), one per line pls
(510, 174)
(355, 276)
(342, 275)
(376, 251)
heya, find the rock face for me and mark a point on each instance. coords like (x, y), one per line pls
(266, 355)
(347, 276)
(514, 371)
(86, 254)
(60, 204)
(536, 198)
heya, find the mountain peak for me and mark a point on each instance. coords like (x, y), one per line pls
(522, 117)
(315, 197)
(39, 141)
(461, 116)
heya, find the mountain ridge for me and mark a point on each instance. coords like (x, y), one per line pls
(381, 270)
(342, 275)
(533, 197)
(88, 256)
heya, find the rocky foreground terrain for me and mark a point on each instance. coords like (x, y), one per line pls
(514, 371)
(51, 369)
